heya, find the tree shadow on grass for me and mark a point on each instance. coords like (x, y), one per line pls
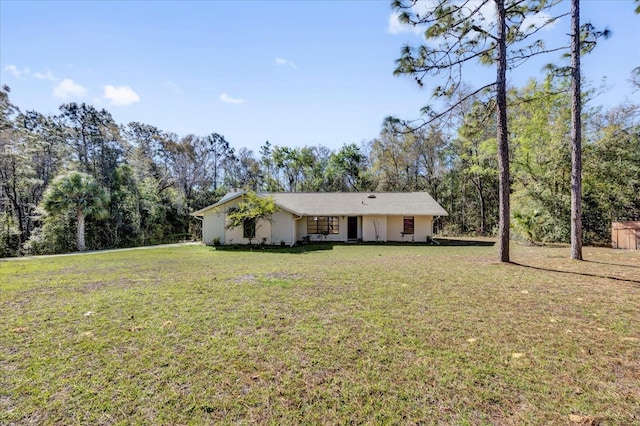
(584, 274)
(463, 242)
(614, 264)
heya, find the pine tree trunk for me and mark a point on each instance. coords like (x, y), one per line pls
(81, 245)
(576, 135)
(502, 135)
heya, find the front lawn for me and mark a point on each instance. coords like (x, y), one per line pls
(358, 334)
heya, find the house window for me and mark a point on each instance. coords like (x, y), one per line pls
(249, 228)
(408, 225)
(323, 225)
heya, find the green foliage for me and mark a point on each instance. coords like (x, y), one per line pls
(9, 236)
(407, 160)
(540, 127)
(123, 225)
(528, 224)
(542, 162)
(347, 170)
(475, 149)
(251, 209)
(80, 193)
(31, 154)
(612, 173)
(302, 168)
(221, 152)
(57, 233)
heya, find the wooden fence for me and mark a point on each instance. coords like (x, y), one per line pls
(625, 235)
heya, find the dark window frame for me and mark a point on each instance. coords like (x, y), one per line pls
(408, 225)
(249, 228)
(323, 225)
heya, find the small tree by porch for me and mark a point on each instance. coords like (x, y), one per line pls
(250, 211)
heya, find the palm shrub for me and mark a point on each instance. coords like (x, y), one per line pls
(81, 193)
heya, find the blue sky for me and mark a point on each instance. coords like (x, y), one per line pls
(292, 72)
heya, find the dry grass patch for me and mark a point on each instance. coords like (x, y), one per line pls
(354, 334)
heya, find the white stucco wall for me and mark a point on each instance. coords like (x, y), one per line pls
(263, 231)
(369, 225)
(213, 223)
(282, 228)
(395, 225)
(422, 227)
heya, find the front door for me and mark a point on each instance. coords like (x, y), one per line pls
(352, 228)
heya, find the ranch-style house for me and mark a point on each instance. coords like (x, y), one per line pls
(327, 216)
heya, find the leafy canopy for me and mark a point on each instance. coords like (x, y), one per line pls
(252, 207)
(79, 191)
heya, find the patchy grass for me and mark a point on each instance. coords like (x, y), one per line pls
(364, 334)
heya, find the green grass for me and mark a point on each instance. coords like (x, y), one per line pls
(358, 334)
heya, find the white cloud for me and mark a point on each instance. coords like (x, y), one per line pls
(15, 71)
(45, 76)
(229, 100)
(67, 89)
(285, 62)
(121, 96)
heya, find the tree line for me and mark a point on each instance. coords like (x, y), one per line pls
(154, 179)
(497, 33)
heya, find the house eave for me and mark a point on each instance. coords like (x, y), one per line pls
(223, 201)
(201, 212)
